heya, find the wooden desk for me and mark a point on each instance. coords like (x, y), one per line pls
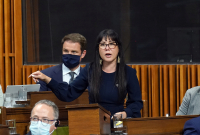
(86, 119)
(34, 97)
(4, 130)
(2, 115)
(156, 125)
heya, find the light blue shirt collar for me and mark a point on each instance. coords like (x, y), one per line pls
(66, 70)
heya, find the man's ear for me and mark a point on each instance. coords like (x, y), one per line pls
(56, 127)
(83, 54)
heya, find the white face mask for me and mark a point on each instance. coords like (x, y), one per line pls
(39, 128)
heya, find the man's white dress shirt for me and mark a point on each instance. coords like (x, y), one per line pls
(65, 72)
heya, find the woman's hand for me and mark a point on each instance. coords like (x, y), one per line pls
(124, 115)
(39, 75)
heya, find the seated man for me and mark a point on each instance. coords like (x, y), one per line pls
(191, 102)
(44, 118)
(192, 127)
(73, 51)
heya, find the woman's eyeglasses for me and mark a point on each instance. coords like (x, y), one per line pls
(110, 45)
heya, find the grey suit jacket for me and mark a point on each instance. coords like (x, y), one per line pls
(191, 102)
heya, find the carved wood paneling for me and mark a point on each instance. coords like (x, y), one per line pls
(2, 81)
(10, 43)
(162, 86)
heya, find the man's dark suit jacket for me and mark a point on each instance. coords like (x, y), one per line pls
(192, 126)
(54, 72)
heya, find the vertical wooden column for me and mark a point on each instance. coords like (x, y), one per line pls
(18, 41)
(7, 35)
(150, 91)
(183, 81)
(166, 89)
(144, 82)
(172, 89)
(193, 75)
(144, 89)
(177, 87)
(12, 51)
(161, 95)
(155, 90)
(2, 81)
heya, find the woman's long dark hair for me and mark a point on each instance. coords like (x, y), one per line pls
(96, 68)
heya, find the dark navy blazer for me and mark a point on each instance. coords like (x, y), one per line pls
(192, 127)
(55, 73)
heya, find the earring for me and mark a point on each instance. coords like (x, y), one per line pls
(100, 61)
(118, 59)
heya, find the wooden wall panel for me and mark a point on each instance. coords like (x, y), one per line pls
(172, 90)
(27, 71)
(166, 89)
(193, 75)
(183, 81)
(161, 96)
(10, 43)
(144, 82)
(41, 67)
(150, 91)
(177, 87)
(162, 86)
(189, 76)
(2, 81)
(138, 73)
(7, 35)
(155, 90)
(18, 42)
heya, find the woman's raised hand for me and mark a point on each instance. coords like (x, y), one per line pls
(40, 76)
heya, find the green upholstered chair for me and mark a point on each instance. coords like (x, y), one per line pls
(61, 131)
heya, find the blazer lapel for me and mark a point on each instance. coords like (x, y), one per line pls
(57, 74)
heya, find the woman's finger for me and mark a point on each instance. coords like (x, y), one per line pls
(37, 80)
(33, 74)
(30, 75)
(34, 80)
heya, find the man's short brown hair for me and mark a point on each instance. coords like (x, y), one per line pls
(75, 37)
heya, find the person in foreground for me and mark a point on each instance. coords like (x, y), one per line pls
(44, 118)
(108, 79)
(190, 104)
(73, 51)
(192, 127)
